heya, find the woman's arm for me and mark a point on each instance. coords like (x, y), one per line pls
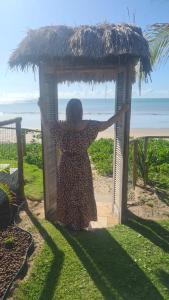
(106, 124)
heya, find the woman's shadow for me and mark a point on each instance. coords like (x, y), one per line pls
(111, 268)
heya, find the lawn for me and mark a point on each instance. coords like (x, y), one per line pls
(126, 262)
(32, 167)
(33, 179)
(34, 182)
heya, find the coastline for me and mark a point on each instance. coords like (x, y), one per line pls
(109, 133)
(137, 132)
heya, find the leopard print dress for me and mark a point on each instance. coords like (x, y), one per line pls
(76, 204)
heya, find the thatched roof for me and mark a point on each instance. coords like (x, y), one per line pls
(85, 46)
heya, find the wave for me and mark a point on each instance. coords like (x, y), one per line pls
(21, 113)
(85, 113)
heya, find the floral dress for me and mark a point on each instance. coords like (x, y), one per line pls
(75, 195)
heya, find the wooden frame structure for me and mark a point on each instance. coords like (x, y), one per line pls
(48, 90)
(97, 53)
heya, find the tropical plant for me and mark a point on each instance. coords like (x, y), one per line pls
(5, 188)
(158, 36)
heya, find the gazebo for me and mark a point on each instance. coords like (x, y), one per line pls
(95, 54)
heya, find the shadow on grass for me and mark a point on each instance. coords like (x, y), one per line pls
(113, 271)
(151, 230)
(164, 278)
(51, 281)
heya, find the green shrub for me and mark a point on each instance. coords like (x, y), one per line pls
(101, 153)
(34, 154)
(155, 167)
(8, 151)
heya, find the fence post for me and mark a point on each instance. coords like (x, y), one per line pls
(145, 159)
(21, 194)
(24, 141)
(135, 156)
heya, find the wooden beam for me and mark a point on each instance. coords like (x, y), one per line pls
(121, 145)
(95, 68)
(48, 91)
(10, 121)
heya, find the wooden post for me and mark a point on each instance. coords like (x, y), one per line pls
(121, 145)
(21, 194)
(135, 155)
(48, 92)
(24, 141)
(145, 159)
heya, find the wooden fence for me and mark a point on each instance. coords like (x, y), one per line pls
(17, 123)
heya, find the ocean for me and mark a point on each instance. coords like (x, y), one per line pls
(145, 113)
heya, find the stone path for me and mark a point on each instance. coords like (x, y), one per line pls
(105, 216)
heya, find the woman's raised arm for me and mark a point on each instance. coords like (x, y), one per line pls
(106, 124)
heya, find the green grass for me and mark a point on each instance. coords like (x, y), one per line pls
(34, 182)
(125, 262)
(33, 179)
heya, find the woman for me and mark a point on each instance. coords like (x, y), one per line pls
(76, 205)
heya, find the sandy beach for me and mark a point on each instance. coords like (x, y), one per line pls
(134, 132)
(109, 133)
(137, 132)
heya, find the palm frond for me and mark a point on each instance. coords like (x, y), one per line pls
(158, 37)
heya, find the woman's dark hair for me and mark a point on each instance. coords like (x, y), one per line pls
(74, 111)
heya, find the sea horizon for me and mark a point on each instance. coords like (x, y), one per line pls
(145, 112)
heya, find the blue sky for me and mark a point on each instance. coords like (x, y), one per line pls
(17, 16)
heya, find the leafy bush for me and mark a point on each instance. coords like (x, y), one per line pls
(8, 151)
(34, 154)
(101, 153)
(156, 165)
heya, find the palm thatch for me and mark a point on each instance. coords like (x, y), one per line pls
(85, 46)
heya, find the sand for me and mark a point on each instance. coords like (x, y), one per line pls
(6, 136)
(137, 132)
(109, 133)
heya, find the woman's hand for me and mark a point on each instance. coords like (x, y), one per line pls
(105, 124)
